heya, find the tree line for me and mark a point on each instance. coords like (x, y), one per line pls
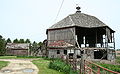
(18, 41)
(22, 41)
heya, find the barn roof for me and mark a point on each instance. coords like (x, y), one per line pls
(17, 46)
(79, 19)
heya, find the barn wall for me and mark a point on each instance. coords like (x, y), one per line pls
(16, 52)
(53, 53)
(89, 54)
(111, 54)
(68, 35)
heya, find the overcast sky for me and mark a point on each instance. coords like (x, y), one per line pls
(30, 18)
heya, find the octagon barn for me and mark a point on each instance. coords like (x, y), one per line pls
(81, 31)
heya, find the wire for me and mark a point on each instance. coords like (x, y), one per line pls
(59, 10)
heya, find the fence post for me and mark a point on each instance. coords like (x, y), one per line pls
(98, 71)
(84, 67)
(90, 71)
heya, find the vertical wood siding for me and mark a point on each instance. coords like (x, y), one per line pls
(68, 35)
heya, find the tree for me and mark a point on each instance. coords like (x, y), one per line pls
(2, 45)
(34, 44)
(33, 48)
(0, 37)
(27, 41)
(15, 41)
(8, 40)
(40, 43)
(21, 41)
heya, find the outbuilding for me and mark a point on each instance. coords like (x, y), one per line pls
(17, 49)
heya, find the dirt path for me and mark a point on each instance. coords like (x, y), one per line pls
(19, 66)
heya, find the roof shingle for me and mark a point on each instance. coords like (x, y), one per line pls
(80, 20)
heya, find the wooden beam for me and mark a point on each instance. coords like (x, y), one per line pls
(114, 40)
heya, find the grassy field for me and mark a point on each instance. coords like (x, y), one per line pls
(42, 64)
(118, 60)
(17, 57)
(3, 64)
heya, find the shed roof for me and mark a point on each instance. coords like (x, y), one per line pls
(60, 44)
(17, 46)
(79, 19)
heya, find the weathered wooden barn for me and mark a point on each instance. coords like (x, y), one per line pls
(17, 49)
(84, 31)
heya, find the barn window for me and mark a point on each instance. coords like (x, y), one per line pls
(65, 52)
(78, 56)
(58, 51)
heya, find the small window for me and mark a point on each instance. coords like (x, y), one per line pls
(78, 56)
(70, 55)
(58, 51)
(65, 52)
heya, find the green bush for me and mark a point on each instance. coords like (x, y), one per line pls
(61, 66)
(115, 68)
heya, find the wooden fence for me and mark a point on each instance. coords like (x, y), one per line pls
(92, 68)
(87, 67)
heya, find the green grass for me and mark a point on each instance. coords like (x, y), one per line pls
(115, 68)
(3, 64)
(112, 67)
(118, 60)
(42, 65)
(7, 57)
(18, 57)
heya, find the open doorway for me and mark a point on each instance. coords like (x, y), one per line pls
(100, 54)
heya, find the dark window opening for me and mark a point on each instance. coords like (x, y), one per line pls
(58, 51)
(70, 55)
(65, 52)
(99, 54)
(78, 56)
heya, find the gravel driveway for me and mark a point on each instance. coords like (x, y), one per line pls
(19, 66)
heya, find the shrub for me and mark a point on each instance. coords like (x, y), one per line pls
(61, 66)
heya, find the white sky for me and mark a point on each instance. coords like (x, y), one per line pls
(30, 18)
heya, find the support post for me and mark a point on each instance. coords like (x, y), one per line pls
(96, 38)
(98, 71)
(114, 40)
(81, 62)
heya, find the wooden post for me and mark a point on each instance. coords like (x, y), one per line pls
(84, 67)
(74, 60)
(90, 71)
(81, 64)
(98, 72)
(114, 40)
(28, 52)
(106, 39)
(96, 38)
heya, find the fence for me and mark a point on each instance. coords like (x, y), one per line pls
(87, 67)
(92, 68)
